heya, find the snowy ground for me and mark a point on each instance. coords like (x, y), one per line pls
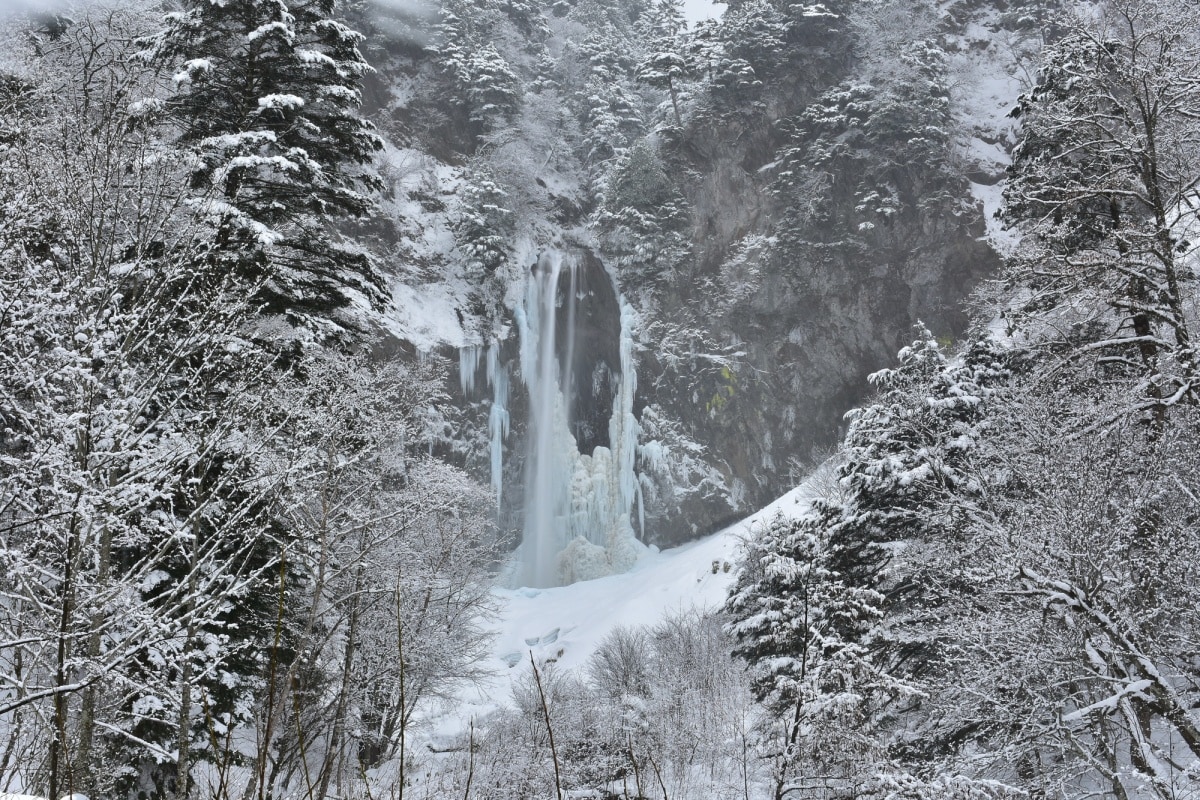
(565, 624)
(989, 69)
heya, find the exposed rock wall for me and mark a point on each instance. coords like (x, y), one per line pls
(759, 311)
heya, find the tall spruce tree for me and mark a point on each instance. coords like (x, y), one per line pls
(265, 98)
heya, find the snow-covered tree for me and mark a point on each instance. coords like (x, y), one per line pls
(644, 218)
(828, 618)
(666, 64)
(1104, 181)
(662, 709)
(1059, 661)
(802, 628)
(484, 227)
(872, 156)
(483, 83)
(264, 102)
(133, 498)
(391, 549)
(911, 448)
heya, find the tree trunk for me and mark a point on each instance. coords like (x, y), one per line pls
(84, 779)
(339, 714)
(59, 763)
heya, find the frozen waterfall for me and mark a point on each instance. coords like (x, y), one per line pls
(547, 495)
(576, 506)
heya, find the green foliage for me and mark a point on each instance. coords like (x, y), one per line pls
(724, 393)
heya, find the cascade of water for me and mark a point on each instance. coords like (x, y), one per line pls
(546, 493)
(577, 507)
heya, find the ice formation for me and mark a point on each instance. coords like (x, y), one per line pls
(577, 506)
(577, 521)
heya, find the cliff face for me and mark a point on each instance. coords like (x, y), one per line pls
(767, 215)
(807, 321)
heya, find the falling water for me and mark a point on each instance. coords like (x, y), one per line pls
(577, 506)
(546, 495)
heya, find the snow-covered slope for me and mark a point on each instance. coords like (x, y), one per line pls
(564, 625)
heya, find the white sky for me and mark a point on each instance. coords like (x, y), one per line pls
(15, 6)
(694, 10)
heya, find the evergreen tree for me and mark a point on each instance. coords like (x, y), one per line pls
(824, 612)
(265, 103)
(483, 85)
(802, 629)
(605, 99)
(666, 64)
(484, 227)
(644, 217)
(875, 157)
(910, 448)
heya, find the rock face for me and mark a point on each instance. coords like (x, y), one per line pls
(740, 266)
(594, 335)
(807, 327)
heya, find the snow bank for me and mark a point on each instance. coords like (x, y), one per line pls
(565, 624)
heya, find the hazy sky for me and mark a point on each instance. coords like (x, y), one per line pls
(694, 10)
(10, 6)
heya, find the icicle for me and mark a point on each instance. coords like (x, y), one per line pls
(493, 363)
(468, 366)
(497, 423)
(568, 376)
(641, 512)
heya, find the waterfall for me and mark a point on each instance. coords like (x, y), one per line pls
(577, 506)
(547, 496)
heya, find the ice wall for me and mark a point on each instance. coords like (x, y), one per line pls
(576, 506)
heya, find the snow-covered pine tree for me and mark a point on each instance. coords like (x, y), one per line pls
(483, 85)
(802, 628)
(867, 157)
(265, 105)
(604, 98)
(484, 226)
(829, 585)
(908, 474)
(754, 37)
(666, 65)
(910, 447)
(644, 216)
